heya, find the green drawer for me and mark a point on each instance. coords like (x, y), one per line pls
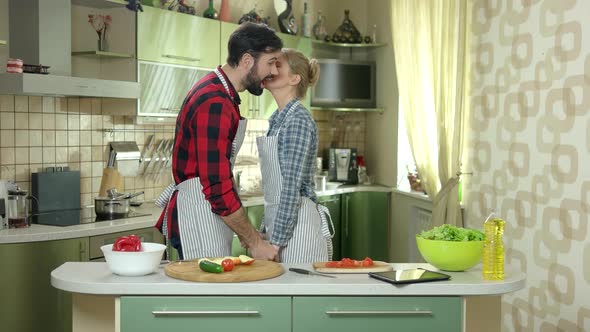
(381, 314)
(179, 314)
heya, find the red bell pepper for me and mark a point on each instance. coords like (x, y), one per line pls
(127, 243)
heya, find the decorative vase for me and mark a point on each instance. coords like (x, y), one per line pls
(102, 44)
(224, 13)
(287, 22)
(210, 12)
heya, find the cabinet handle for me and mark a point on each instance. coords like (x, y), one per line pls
(329, 201)
(380, 313)
(167, 109)
(346, 199)
(180, 57)
(199, 313)
(82, 251)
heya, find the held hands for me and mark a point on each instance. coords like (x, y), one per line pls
(264, 251)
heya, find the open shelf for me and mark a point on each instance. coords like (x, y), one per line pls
(347, 109)
(360, 45)
(100, 3)
(102, 54)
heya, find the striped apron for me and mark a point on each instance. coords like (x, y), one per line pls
(311, 240)
(202, 232)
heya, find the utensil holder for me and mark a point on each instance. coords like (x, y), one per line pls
(111, 178)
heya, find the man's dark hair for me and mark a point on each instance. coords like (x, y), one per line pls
(251, 38)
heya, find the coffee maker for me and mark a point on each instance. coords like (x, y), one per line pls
(342, 165)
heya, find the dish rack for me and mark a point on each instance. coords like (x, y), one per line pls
(35, 69)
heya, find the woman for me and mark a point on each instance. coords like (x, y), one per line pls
(293, 222)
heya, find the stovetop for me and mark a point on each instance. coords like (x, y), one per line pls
(131, 214)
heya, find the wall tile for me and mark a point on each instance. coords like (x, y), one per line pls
(61, 105)
(85, 138)
(73, 138)
(35, 155)
(61, 154)
(49, 155)
(22, 172)
(85, 153)
(49, 121)
(48, 105)
(85, 121)
(74, 154)
(35, 121)
(85, 106)
(74, 105)
(86, 169)
(61, 121)
(6, 103)
(6, 120)
(73, 121)
(21, 121)
(7, 139)
(21, 138)
(35, 104)
(7, 156)
(22, 156)
(49, 138)
(7, 172)
(35, 138)
(61, 138)
(21, 104)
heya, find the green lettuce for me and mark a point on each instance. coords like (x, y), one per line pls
(448, 232)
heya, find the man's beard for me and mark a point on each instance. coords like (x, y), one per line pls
(252, 82)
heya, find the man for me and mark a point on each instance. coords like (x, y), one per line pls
(203, 209)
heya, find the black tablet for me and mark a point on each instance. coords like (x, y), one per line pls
(409, 276)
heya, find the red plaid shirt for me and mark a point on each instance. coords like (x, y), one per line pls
(205, 129)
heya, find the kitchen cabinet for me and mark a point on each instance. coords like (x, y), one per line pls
(333, 203)
(365, 225)
(261, 107)
(354, 314)
(171, 37)
(28, 302)
(144, 314)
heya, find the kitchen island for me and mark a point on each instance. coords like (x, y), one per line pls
(291, 302)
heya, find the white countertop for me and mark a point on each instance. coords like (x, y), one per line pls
(37, 233)
(96, 278)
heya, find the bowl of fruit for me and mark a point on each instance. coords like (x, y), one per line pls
(451, 248)
(130, 257)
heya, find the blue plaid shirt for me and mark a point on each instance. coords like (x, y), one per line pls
(298, 147)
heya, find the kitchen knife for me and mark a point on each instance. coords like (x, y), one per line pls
(304, 271)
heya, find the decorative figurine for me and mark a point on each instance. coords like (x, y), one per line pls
(287, 22)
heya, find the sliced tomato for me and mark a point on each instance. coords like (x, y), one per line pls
(333, 264)
(367, 262)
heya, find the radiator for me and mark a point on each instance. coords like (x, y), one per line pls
(421, 220)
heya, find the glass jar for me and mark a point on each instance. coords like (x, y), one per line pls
(17, 209)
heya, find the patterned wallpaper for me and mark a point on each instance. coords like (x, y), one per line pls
(529, 151)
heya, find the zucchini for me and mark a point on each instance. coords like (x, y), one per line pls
(209, 266)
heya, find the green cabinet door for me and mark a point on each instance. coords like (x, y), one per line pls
(255, 214)
(184, 314)
(332, 202)
(377, 314)
(176, 38)
(28, 302)
(365, 225)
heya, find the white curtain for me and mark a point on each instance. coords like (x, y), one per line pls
(430, 40)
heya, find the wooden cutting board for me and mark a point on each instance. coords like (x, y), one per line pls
(377, 267)
(190, 271)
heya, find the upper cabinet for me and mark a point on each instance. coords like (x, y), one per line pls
(176, 38)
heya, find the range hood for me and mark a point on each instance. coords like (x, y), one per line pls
(54, 85)
(40, 33)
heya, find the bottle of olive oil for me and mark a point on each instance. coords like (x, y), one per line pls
(493, 248)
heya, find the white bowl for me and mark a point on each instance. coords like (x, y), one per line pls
(133, 264)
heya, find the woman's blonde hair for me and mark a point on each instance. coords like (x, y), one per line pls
(307, 69)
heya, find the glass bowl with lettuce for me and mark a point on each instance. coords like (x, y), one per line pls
(451, 248)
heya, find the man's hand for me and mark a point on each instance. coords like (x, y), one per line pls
(264, 251)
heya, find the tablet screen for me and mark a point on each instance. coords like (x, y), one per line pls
(409, 276)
